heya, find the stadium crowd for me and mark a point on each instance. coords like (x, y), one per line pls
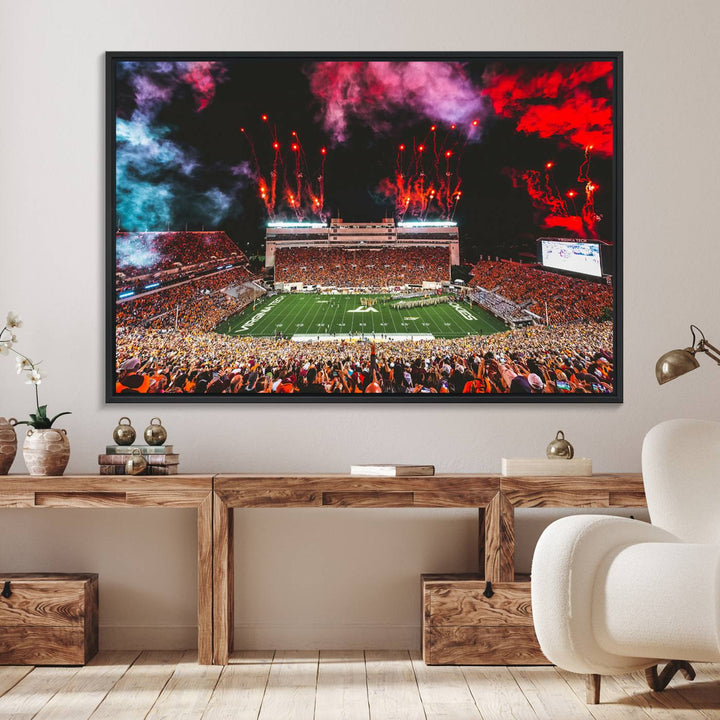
(197, 304)
(337, 267)
(573, 358)
(498, 305)
(142, 253)
(569, 299)
(165, 343)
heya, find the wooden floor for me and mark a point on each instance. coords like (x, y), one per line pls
(370, 685)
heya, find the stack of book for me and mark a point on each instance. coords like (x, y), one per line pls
(160, 459)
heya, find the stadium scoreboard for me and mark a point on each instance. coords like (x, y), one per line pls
(571, 256)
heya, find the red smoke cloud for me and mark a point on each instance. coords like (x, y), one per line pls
(542, 193)
(552, 210)
(573, 223)
(203, 78)
(571, 102)
(155, 84)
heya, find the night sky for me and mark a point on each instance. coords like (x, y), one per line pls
(522, 131)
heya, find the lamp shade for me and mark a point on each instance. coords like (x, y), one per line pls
(675, 363)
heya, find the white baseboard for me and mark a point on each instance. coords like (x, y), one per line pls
(265, 637)
(148, 637)
(327, 637)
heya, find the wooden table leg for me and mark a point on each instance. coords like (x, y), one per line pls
(481, 541)
(205, 580)
(223, 581)
(499, 540)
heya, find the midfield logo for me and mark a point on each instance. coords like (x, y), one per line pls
(364, 310)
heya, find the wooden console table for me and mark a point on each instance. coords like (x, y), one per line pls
(108, 491)
(495, 497)
(215, 498)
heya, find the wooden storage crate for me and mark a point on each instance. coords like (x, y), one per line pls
(461, 626)
(48, 618)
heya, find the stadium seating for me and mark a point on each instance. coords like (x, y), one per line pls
(150, 252)
(569, 299)
(196, 304)
(339, 267)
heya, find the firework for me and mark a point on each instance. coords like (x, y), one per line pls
(560, 209)
(299, 195)
(426, 181)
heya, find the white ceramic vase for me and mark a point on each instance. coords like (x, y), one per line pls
(46, 451)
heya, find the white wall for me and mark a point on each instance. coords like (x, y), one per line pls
(330, 578)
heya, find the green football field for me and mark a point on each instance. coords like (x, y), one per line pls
(302, 316)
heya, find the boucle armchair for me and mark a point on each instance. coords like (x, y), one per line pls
(614, 595)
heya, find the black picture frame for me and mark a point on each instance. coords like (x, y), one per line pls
(616, 206)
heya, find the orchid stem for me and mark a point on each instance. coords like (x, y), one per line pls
(30, 362)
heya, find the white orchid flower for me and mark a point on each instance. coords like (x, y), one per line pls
(13, 320)
(23, 364)
(5, 346)
(35, 377)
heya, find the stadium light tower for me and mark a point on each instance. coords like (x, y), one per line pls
(678, 362)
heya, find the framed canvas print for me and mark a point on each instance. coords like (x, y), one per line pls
(359, 227)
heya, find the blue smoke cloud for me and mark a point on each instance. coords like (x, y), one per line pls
(148, 166)
(217, 204)
(162, 182)
(136, 250)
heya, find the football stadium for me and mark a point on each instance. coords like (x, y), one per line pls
(192, 318)
(472, 260)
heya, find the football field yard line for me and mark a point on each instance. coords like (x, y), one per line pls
(443, 316)
(277, 317)
(317, 317)
(454, 316)
(335, 321)
(304, 306)
(322, 319)
(395, 328)
(297, 316)
(288, 319)
(332, 322)
(304, 316)
(292, 318)
(355, 318)
(345, 325)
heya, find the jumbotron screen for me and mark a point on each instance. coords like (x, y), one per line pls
(576, 257)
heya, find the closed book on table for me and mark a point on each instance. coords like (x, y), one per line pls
(144, 449)
(392, 470)
(173, 459)
(48, 618)
(547, 467)
(149, 470)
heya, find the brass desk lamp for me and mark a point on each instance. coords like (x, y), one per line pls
(677, 362)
